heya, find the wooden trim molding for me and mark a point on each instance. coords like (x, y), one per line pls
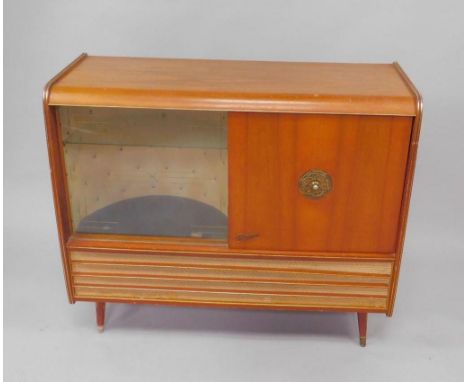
(204, 304)
(153, 245)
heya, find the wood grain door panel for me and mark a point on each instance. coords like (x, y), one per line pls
(365, 157)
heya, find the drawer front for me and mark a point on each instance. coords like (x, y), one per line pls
(288, 284)
(357, 164)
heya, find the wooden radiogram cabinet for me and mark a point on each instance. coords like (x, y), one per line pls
(263, 185)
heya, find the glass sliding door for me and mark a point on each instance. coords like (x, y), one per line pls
(146, 172)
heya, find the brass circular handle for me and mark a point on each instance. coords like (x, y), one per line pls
(315, 184)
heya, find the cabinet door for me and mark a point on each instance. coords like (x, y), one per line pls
(361, 159)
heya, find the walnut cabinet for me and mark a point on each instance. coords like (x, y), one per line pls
(247, 184)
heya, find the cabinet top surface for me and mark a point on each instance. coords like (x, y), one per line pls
(263, 86)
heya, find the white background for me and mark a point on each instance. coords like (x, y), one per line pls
(48, 340)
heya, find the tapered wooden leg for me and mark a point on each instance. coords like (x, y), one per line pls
(362, 322)
(100, 315)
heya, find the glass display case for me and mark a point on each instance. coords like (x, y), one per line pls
(146, 172)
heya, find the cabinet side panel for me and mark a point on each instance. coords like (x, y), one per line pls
(57, 171)
(59, 188)
(410, 169)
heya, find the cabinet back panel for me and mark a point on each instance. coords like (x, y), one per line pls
(365, 157)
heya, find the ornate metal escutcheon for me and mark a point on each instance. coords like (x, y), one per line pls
(315, 184)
